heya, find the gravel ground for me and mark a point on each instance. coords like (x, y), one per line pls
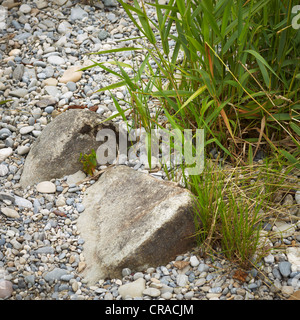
(41, 253)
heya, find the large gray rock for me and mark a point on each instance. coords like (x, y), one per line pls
(56, 151)
(133, 220)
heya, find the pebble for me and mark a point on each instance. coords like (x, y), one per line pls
(194, 261)
(4, 133)
(3, 170)
(21, 150)
(152, 292)
(26, 129)
(182, 280)
(11, 213)
(285, 268)
(18, 93)
(55, 274)
(56, 60)
(80, 207)
(23, 203)
(25, 8)
(78, 14)
(72, 74)
(46, 187)
(133, 289)
(6, 289)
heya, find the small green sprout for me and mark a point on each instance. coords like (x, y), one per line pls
(89, 162)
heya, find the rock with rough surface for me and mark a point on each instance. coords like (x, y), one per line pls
(56, 151)
(133, 220)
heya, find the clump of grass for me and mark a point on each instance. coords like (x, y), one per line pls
(232, 204)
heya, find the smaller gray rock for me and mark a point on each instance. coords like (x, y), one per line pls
(56, 60)
(22, 36)
(64, 27)
(110, 3)
(55, 274)
(4, 133)
(44, 250)
(52, 90)
(152, 292)
(138, 275)
(167, 295)
(18, 72)
(182, 280)
(7, 196)
(67, 277)
(36, 206)
(126, 272)
(18, 93)
(253, 286)
(112, 17)
(41, 64)
(285, 268)
(16, 244)
(49, 109)
(102, 35)
(80, 207)
(269, 259)
(21, 202)
(3, 170)
(203, 267)
(78, 14)
(25, 8)
(26, 130)
(189, 295)
(276, 273)
(76, 177)
(23, 150)
(30, 279)
(71, 86)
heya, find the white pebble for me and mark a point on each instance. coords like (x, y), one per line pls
(25, 8)
(194, 261)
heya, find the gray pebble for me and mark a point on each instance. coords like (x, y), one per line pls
(49, 109)
(4, 133)
(285, 268)
(44, 250)
(71, 86)
(138, 275)
(126, 272)
(55, 274)
(80, 207)
(182, 280)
